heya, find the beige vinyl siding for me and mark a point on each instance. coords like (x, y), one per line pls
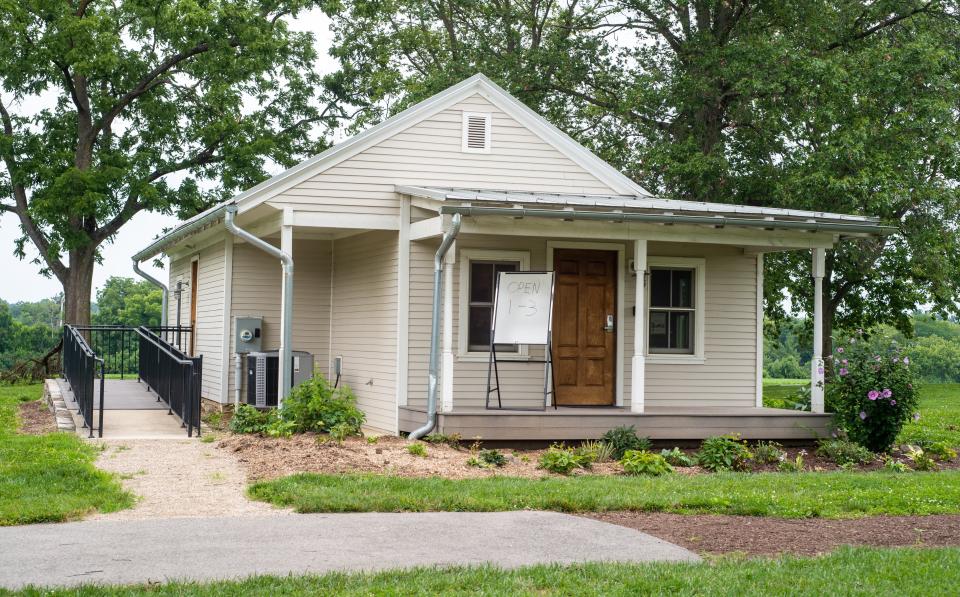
(209, 324)
(429, 153)
(364, 322)
(256, 292)
(727, 377)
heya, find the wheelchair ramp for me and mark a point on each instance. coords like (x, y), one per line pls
(130, 411)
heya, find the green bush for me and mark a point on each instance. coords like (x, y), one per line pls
(842, 451)
(315, 405)
(676, 457)
(872, 391)
(723, 453)
(596, 451)
(625, 438)
(768, 452)
(561, 460)
(641, 462)
(921, 460)
(488, 459)
(940, 451)
(248, 419)
(417, 450)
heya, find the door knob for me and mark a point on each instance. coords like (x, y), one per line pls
(609, 326)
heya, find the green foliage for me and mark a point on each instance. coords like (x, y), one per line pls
(893, 465)
(920, 459)
(768, 452)
(341, 431)
(940, 451)
(785, 465)
(453, 440)
(625, 438)
(723, 453)
(676, 457)
(843, 451)
(372, 439)
(596, 451)
(417, 449)
(488, 459)
(21, 341)
(124, 301)
(315, 405)
(562, 460)
(641, 462)
(249, 419)
(872, 392)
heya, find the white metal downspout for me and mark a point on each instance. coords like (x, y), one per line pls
(432, 382)
(159, 284)
(286, 333)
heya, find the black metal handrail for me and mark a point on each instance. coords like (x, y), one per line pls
(80, 370)
(173, 376)
(117, 345)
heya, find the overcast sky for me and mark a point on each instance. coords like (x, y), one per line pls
(22, 279)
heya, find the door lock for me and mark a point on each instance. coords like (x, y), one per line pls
(609, 326)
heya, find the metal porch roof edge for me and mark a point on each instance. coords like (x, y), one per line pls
(664, 206)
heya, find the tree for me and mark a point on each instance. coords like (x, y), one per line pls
(124, 301)
(829, 105)
(152, 102)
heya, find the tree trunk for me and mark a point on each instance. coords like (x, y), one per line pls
(78, 286)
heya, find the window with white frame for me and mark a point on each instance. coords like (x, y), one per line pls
(478, 282)
(675, 307)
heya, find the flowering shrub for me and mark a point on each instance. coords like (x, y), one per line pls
(872, 392)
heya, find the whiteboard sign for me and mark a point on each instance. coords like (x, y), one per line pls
(523, 308)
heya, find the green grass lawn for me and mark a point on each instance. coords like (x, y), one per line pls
(780, 393)
(830, 495)
(49, 478)
(939, 415)
(848, 571)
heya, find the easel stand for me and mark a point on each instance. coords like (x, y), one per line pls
(549, 383)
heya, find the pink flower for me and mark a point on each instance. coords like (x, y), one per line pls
(893, 403)
(863, 415)
(843, 361)
(886, 393)
(820, 370)
(840, 350)
(843, 371)
(873, 394)
(906, 360)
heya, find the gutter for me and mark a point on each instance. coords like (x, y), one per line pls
(163, 290)
(432, 382)
(286, 334)
(717, 221)
(177, 234)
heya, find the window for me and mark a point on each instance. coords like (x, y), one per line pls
(478, 283)
(672, 313)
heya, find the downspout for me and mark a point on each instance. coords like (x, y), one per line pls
(160, 285)
(432, 382)
(286, 334)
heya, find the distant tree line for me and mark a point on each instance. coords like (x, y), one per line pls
(933, 347)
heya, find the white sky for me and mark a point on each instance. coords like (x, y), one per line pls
(23, 281)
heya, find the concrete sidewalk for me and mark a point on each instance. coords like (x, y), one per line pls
(219, 548)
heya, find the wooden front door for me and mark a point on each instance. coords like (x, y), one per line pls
(193, 306)
(584, 327)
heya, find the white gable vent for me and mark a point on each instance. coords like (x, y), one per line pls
(476, 132)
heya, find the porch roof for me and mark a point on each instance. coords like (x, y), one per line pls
(640, 208)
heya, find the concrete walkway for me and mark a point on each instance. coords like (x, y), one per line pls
(221, 548)
(131, 411)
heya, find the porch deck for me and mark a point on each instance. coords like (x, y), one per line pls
(674, 423)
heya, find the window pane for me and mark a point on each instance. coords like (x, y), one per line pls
(681, 326)
(479, 331)
(658, 329)
(682, 295)
(660, 288)
(481, 282)
(505, 267)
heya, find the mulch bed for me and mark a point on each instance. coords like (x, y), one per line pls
(36, 418)
(762, 536)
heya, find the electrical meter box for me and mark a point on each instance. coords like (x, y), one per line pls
(249, 334)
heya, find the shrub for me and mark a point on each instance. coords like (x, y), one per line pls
(842, 451)
(872, 391)
(921, 460)
(791, 466)
(453, 440)
(641, 462)
(595, 451)
(561, 460)
(941, 451)
(417, 450)
(768, 452)
(488, 459)
(315, 405)
(723, 453)
(625, 438)
(893, 465)
(249, 419)
(676, 457)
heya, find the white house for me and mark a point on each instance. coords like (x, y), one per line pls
(657, 317)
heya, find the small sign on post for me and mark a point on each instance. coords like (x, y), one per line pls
(522, 314)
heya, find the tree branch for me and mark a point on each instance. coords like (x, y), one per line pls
(881, 25)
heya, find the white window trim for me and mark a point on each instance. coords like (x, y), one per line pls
(699, 266)
(488, 120)
(464, 354)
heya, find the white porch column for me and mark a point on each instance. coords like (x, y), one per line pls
(446, 360)
(286, 245)
(638, 363)
(816, 363)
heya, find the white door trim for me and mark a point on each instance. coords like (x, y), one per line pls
(620, 248)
